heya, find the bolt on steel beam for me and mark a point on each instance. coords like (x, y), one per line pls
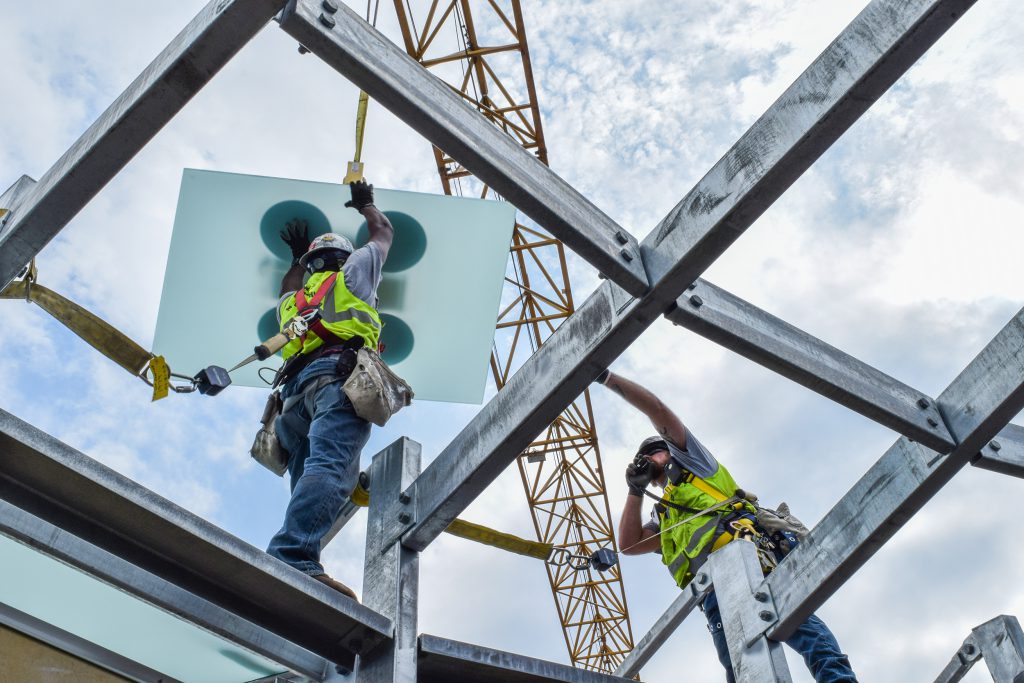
(391, 573)
(432, 108)
(744, 328)
(1000, 642)
(975, 407)
(73, 492)
(1004, 453)
(188, 63)
(868, 56)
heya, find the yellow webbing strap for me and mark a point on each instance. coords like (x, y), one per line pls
(497, 539)
(93, 330)
(705, 487)
(480, 534)
(355, 167)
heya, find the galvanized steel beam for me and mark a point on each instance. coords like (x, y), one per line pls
(69, 490)
(1002, 647)
(368, 59)
(744, 606)
(392, 571)
(160, 91)
(71, 550)
(663, 628)
(1000, 642)
(449, 661)
(14, 194)
(1003, 454)
(751, 332)
(870, 54)
(975, 406)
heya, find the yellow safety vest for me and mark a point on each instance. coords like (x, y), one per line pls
(342, 314)
(686, 547)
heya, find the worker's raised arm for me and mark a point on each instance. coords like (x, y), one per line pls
(381, 232)
(634, 537)
(665, 422)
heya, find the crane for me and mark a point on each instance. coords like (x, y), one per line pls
(561, 471)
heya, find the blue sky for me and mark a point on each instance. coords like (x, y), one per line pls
(900, 246)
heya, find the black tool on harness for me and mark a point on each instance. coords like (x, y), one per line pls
(297, 363)
(212, 380)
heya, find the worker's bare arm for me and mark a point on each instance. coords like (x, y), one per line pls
(381, 232)
(292, 280)
(664, 420)
(634, 539)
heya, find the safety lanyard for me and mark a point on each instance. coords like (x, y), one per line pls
(716, 506)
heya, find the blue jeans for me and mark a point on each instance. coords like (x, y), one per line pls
(813, 640)
(323, 437)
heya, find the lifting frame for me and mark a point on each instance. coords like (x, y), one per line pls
(67, 505)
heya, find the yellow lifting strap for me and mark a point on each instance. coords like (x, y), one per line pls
(475, 532)
(93, 330)
(355, 167)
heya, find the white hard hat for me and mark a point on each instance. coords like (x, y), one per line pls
(329, 241)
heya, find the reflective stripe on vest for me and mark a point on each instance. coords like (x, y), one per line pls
(343, 314)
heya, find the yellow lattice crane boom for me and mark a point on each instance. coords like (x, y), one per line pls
(561, 471)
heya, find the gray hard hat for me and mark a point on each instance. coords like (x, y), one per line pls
(652, 444)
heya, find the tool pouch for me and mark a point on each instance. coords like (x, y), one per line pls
(785, 530)
(266, 449)
(375, 391)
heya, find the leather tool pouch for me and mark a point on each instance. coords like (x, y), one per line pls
(376, 393)
(266, 449)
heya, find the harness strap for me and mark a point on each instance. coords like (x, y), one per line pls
(677, 474)
(300, 295)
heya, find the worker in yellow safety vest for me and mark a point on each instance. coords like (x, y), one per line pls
(701, 510)
(318, 427)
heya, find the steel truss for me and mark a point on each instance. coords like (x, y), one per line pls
(561, 470)
(1000, 642)
(968, 422)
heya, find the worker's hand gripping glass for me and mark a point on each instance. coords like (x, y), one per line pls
(296, 236)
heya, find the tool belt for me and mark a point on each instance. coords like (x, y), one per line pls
(297, 363)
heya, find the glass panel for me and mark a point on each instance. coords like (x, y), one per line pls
(439, 295)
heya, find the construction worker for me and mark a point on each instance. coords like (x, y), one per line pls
(317, 426)
(693, 482)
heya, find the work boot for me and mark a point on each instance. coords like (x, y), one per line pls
(336, 585)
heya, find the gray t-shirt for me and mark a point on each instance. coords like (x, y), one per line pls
(362, 272)
(695, 458)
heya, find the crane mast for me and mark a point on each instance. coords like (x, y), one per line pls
(480, 50)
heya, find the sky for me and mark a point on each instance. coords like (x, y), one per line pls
(900, 246)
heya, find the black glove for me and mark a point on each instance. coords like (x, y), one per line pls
(296, 236)
(362, 195)
(637, 479)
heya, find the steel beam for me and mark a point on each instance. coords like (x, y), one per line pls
(961, 662)
(79, 647)
(12, 195)
(449, 661)
(736, 575)
(975, 406)
(69, 490)
(71, 550)
(663, 628)
(392, 574)
(1003, 454)
(1002, 647)
(751, 332)
(160, 91)
(870, 54)
(435, 110)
